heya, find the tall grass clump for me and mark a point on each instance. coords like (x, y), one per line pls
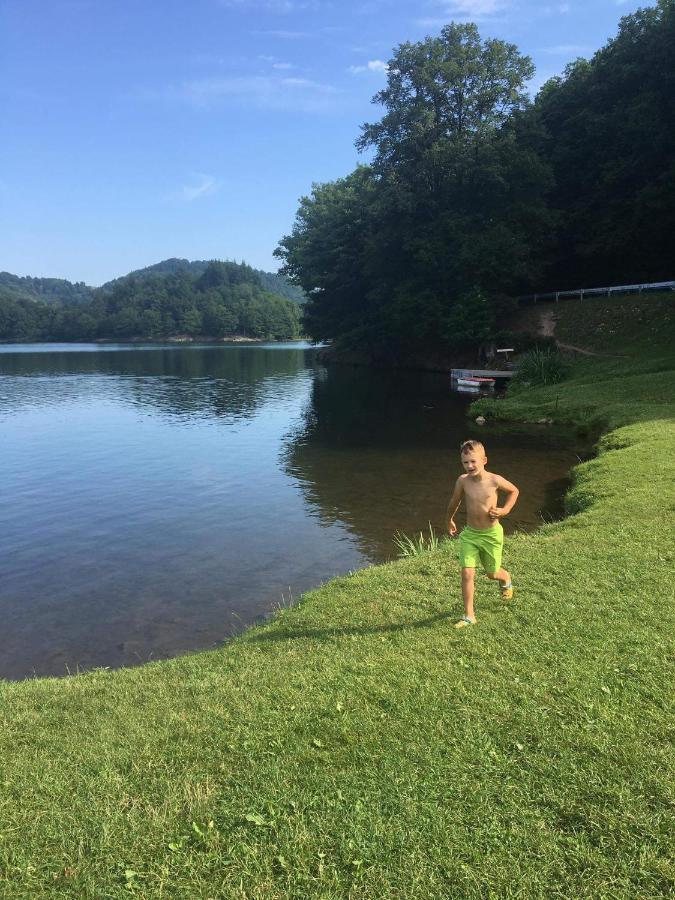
(541, 366)
(417, 546)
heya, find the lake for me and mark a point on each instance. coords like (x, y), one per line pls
(158, 499)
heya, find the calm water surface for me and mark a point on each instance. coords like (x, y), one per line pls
(158, 499)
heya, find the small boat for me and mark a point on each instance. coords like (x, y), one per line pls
(476, 382)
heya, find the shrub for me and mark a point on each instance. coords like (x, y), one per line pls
(541, 366)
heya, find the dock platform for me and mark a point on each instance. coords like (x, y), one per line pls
(482, 373)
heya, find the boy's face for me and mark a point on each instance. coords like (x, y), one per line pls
(474, 462)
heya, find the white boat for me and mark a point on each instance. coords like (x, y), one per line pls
(477, 383)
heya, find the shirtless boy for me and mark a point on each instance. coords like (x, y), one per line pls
(483, 537)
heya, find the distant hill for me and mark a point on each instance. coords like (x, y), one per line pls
(56, 291)
(269, 281)
(60, 292)
(173, 299)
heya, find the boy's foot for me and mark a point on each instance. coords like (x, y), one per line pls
(464, 622)
(506, 591)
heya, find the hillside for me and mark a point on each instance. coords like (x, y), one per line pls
(269, 281)
(56, 291)
(61, 292)
(219, 301)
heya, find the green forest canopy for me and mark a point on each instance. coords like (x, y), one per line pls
(476, 194)
(199, 299)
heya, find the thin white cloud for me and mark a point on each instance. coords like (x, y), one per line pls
(567, 50)
(374, 65)
(201, 186)
(276, 6)
(283, 34)
(564, 8)
(471, 9)
(263, 91)
(283, 66)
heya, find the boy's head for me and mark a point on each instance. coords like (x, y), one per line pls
(473, 457)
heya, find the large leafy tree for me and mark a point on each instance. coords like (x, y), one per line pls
(611, 141)
(329, 254)
(405, 252)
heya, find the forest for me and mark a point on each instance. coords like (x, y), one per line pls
(474, 194)
(211, 300)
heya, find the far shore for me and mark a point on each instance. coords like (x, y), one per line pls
(172, 339)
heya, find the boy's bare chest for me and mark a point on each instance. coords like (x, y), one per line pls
(480, 494)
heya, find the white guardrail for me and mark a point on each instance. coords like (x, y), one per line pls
(606, 291)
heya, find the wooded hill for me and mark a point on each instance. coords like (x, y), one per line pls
(199, 299)
(475, 194)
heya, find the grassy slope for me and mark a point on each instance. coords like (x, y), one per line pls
(359, 747)
(632, 378)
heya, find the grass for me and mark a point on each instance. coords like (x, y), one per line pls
(541, 366)
(416, 546)
(357, 746)
(632, 380)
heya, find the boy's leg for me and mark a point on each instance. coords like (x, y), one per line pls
(468, 582)
(504, 579)
(501, 575)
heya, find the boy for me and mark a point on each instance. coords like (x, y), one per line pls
(483, 537)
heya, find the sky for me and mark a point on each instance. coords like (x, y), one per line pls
(137, 131)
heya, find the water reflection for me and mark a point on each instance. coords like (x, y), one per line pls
(378, 451)
(220, 382)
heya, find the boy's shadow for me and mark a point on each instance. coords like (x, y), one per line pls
(327, 633)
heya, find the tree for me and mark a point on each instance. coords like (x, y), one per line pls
(451, 210)
(611, 143)
(326, 254)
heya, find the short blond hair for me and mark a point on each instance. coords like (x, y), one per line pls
(467, 446)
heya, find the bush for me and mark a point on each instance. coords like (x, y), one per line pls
(417, 546)
(541, 366)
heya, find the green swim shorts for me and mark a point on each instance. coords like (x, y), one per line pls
(482, 545)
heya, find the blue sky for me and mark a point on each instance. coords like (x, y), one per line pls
(135, 131)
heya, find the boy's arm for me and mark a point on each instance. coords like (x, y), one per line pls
(511, 491)
(453, 505)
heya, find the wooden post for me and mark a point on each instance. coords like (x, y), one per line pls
(557, 296)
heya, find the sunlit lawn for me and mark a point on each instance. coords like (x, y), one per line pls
(358, 746)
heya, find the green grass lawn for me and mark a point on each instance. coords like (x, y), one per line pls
(359, 747)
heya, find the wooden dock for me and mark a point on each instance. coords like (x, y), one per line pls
(481, 373)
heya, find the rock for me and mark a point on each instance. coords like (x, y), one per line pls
(480, 420)
(542, 421)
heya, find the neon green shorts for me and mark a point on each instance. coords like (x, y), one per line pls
(482, 545)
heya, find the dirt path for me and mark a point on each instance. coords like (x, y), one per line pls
(547, 322)
(574, 349)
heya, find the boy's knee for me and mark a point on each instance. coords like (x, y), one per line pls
(492, 575)
(468, 574)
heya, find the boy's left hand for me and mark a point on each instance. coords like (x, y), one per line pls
(496, 512)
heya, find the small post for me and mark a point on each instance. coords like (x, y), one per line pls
(581, 293)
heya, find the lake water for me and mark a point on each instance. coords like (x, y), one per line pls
(157, 499)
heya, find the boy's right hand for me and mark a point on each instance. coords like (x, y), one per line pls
(452, 528)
